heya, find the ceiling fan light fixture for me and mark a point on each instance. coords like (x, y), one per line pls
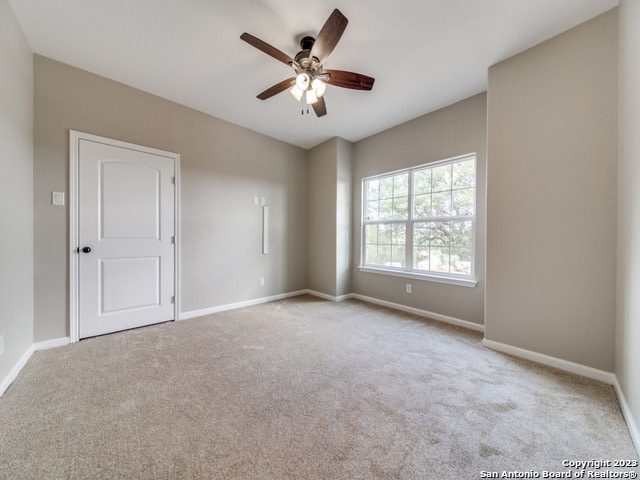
(302, 81)
(296, 92)
(311, 97)
(319, 87)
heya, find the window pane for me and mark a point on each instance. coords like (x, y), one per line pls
(398, 256)
(421, 258)
(399, 233)
(439, 260)
(400, 207)
(464, 174)
(399, 239)
(384, 255)
(371, 234)
(463, 202)
(371, 254)
(386, 187)
(422, 181)
(421, 241)
(441, 178)
(387, 198)
(385, 245)
(441, 204)
(421, 234)
(401, 185)
(422, 205)
(384, 235)
(372, 210)
(386, 209)
(373, 189)
(461, 234)
(400, 196)
(440, 234)
(461, 261)
(371, 247)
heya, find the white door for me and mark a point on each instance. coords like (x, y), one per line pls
(126, 237)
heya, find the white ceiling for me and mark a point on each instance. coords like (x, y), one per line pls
(424, 54)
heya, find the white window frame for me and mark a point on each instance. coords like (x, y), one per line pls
(408, 271)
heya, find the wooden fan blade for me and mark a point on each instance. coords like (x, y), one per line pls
(355, 81)
(320, 107)
(266, 48)
(329, 35)
(277, 88)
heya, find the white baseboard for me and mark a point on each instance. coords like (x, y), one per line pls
(13, 374)
(53, 343)
(331, 298)
(423, 313)
(567, 366)
(232, 306)
(628, 416)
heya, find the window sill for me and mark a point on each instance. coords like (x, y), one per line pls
(461, 282)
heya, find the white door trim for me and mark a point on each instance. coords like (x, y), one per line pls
(74, 139)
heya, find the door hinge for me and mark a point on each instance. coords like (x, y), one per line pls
(173, 239)
(173, 299)
(173, 180)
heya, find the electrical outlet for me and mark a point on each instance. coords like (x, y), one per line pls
(261, 281)
(408, 288)
(1, 344)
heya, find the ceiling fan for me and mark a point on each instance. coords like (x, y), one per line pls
(311, 79)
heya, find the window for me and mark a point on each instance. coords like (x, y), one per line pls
(421, 221)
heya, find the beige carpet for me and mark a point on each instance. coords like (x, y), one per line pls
(300, 388)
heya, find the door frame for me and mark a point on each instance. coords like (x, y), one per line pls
(74, 277)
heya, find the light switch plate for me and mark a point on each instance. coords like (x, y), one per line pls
(57, 198)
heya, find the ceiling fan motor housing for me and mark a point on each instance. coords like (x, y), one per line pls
(306, 43)
(303, 57)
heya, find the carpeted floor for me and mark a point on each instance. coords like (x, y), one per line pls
(300, 388)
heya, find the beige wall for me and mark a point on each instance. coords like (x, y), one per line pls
(321, 269)
(452, 131)
(551, 224)
(344, 167)
(330, 218)
(222, 168)
(628, 279)
(16, 185)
